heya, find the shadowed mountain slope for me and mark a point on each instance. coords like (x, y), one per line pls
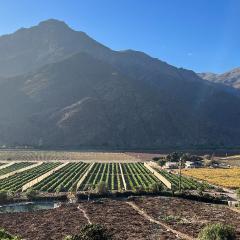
(67, 90)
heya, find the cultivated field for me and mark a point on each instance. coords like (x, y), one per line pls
(78, 176)
(122, 219)
(229, 178)
(28, 155)
(187, 183)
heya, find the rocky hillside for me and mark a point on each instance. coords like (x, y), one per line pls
(231, 78)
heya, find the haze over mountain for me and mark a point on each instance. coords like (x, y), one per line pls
(230, 78)
(60, 88)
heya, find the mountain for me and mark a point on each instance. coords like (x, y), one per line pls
(231, 78)
(60, 88)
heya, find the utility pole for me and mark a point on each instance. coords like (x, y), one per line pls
(180, 175)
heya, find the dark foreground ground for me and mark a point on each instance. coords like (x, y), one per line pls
(121, 219)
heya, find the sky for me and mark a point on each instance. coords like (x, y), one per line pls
(202, 35)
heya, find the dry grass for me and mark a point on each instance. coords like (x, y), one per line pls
(229, 178)
(24, 155)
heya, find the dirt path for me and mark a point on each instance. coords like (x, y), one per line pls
(144, 214)
(84, 214)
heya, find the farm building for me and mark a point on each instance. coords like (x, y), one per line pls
(190, 164)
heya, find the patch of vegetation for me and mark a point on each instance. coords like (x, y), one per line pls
(217, 232)
(101, 188)
(156, 188)
(3, 196)
(31, 194)
(6, 236)
(91, 232)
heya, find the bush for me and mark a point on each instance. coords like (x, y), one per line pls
(91, 232)
(156, 188)
(3, 196)
(238, 193)
(31, 194)
(6, 236)
(155, 159)
(217, 232)
(61, 188)
(101, 188)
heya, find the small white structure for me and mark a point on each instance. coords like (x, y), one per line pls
(171, 165)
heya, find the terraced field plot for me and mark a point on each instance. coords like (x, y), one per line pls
(14, 167)
(137, 176)
(187, 183)
(15, 182)
(103, 172)
(64, 180)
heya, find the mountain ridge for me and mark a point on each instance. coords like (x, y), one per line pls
(87, 95)
(229, 78)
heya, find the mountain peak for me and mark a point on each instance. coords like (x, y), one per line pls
(53, 23)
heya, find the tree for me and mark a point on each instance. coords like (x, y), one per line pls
(217, 231)
(91, 232)
(161, 163)
(173, 157)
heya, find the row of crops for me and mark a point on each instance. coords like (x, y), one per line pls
(63, 180)
(109, 173)
(187, 183)
(137, 176)
(79, 176)
(14, 167)
(16, 182)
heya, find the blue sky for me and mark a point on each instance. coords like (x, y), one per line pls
(202, 35)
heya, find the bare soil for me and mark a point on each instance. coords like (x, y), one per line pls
(187, 216)
(121, 220)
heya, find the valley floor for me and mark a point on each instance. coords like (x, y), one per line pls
(135, 218)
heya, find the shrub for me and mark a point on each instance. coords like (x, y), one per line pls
(101, 188)
(91, 232)
(3, 196)
(31, 194)
(155, 158)
(238, 193)
(162, 163)
(60, 188)
(156, 188)
(217, 232)
(6, 236)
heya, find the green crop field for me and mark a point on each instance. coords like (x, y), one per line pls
(137, 176)
(64, 180)
(16, 181)
(14, 167)
(82, 176)
(103, 172)
(187, 183)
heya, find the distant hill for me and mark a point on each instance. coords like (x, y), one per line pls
(60, 88)
(231, 78)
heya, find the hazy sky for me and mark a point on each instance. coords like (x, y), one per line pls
(203, 35)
